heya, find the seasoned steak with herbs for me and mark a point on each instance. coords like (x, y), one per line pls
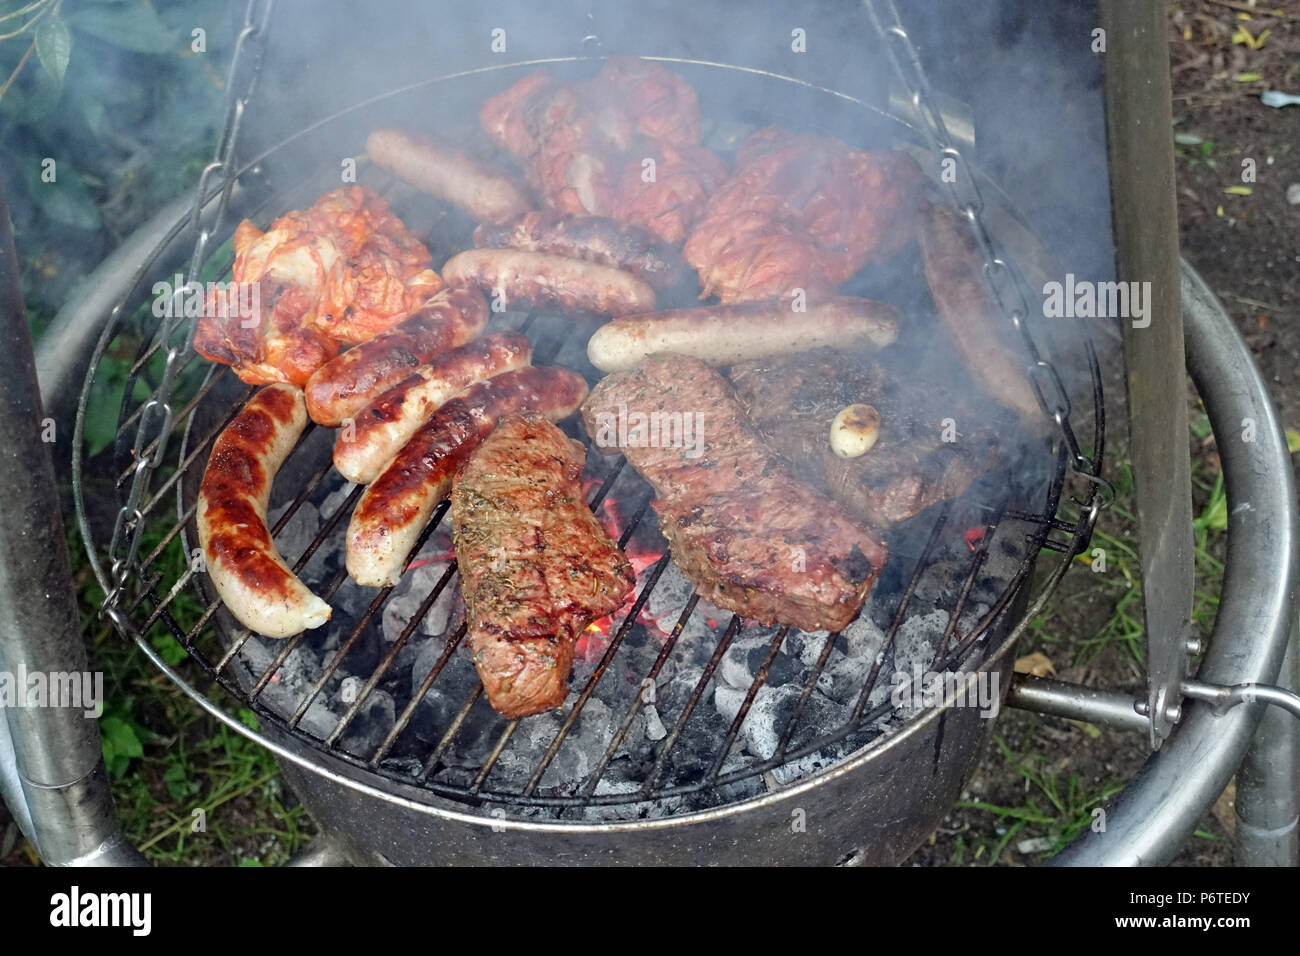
(746, 532)
(794, 399)
(536, 567)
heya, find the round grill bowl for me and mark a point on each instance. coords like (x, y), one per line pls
(865, 789)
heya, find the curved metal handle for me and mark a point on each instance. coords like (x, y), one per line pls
(1162, 806)
(1223, 697)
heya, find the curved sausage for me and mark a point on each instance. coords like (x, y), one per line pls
(386, 424)
(995, 360)
(253, 580)
(395, 508)
(484, 190)
(546, 281)
(596, 239)
(345, 385)
(727, 334)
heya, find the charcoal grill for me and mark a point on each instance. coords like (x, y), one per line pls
(864, 789)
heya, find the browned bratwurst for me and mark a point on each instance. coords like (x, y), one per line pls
(985, 341)
(345, 385)
(395, 508)
(535, 565)
(536, 279)
(255, 583)
(386, 424)
(484, 190)
(589, 238)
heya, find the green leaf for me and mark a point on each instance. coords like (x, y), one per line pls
(135, 27)
(1247, 77)
(166, 645)
(120, 743)
(1292, 440)
(1201, 427)
(66, 200)
(54, 47)
(1239, 190)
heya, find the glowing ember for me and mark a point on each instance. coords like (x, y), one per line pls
(973, 536)
(593, 642)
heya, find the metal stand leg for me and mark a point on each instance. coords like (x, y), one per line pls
(57, 772)
(1268, 783)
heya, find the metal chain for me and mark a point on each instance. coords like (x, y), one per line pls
(1003, 279)
(155, 423)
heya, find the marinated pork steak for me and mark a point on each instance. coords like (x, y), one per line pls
(748, 534)
(794, 399)
(536, 567)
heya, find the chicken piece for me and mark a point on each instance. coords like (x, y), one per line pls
(332, 275)
(585, 146)
(801, 211)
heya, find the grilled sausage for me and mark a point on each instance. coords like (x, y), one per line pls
(348, 383)
(395, 508)
(995, 361)
(386, 424)
(484, 190)
(253, 580)
(727, 334)
(589, 238)
(541, 280)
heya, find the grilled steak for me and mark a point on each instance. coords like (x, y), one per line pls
(748, 534)
(536, 567)
(794, 399)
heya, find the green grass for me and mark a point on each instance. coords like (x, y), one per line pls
(1057, 808)
(1057, 805)
(1123, 631)
(168, 759)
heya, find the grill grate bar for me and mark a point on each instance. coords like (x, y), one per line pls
(158, 549)
(981, 555)
(869, 685)
(589, 787)
(184, 466)
(808, 687)
(436, 757)
(453, 641)
(494, 756)
(178, 423)
(135, 415)
(606, 659)
(290, 644)
(335, 583)
(607, 483)
(755, 686)
(378, 602)
(382, 668)
(344, 649)
(670, 741)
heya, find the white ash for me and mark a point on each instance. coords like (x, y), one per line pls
(296, 536)
(410, 593)
(657, 705)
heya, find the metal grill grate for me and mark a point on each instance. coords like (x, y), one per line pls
(153, 607)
